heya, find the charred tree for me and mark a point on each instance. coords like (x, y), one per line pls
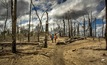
(95, 27)
(106, 28)
(38, 30)
(46, 32)
(29, 23)
(71, 29)
(64, 27)
(78, 29)
(102, 27)
(94, 33)
(84, 26)
(90, 27)
(40, 19)
(5, 5)
(74, 30)
(14, 20)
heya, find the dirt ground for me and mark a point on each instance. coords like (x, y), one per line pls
(82, 52)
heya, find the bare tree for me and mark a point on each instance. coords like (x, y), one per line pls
(64, 27)
(106, 29)
(102, 27)
(84, 26)
(78, 29)
(46, 32)
(40, 19)
(69, 32)
(29, 22)
(5, 5)
(14, 20)
(90, 27)
(71, 29)
(95, 27)
(94, 33)
(74, 29)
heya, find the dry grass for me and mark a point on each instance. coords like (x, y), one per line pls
(83, 52)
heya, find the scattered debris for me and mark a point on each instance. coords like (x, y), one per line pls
(60, 43)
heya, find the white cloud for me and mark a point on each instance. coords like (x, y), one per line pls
(74, 5)
(102, 13)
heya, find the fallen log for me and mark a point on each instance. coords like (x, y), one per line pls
(18, 43)
(60, 43)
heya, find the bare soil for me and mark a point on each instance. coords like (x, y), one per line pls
(82, 52)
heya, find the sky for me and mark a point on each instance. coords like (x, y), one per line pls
(57, 10)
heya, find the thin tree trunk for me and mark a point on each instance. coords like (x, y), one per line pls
(91, 25)
(95, 27)
(38, 35)
(102, 27)
(106, 28)
(41, 27)
(78, 30)
(69, 28)
(6, 19)
(29, 23)
(64, 27)
(90, 28)
(46, 33)
(14, 20)
(84, 26)
(94, 35)
(74, 30)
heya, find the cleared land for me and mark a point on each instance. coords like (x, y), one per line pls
(80, 52)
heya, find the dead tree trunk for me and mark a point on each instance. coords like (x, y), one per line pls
(84, 26)
(94, 35)
(29, 23)
(74, 30)
(5, 5)
(106, 28)
(95, 27)
(41, 27)
(102, 27)
(64, 27)
(71, 29)
(38, 32)
(14, 20)
(78, 29)
(90, 27)
(46, 32)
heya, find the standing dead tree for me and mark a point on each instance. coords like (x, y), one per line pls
(102, 27)
(46, 32)
(94, 33)
(95, 26)
(5, 5)
(40, 20)
(14, 20)
(78, 29)
(106, 29)
(71, 29)
(64, 27)
(29, 22)
(74, 29)
(90, 26)
(84, 26)
(68, 17)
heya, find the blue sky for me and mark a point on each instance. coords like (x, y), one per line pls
(58, 8)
